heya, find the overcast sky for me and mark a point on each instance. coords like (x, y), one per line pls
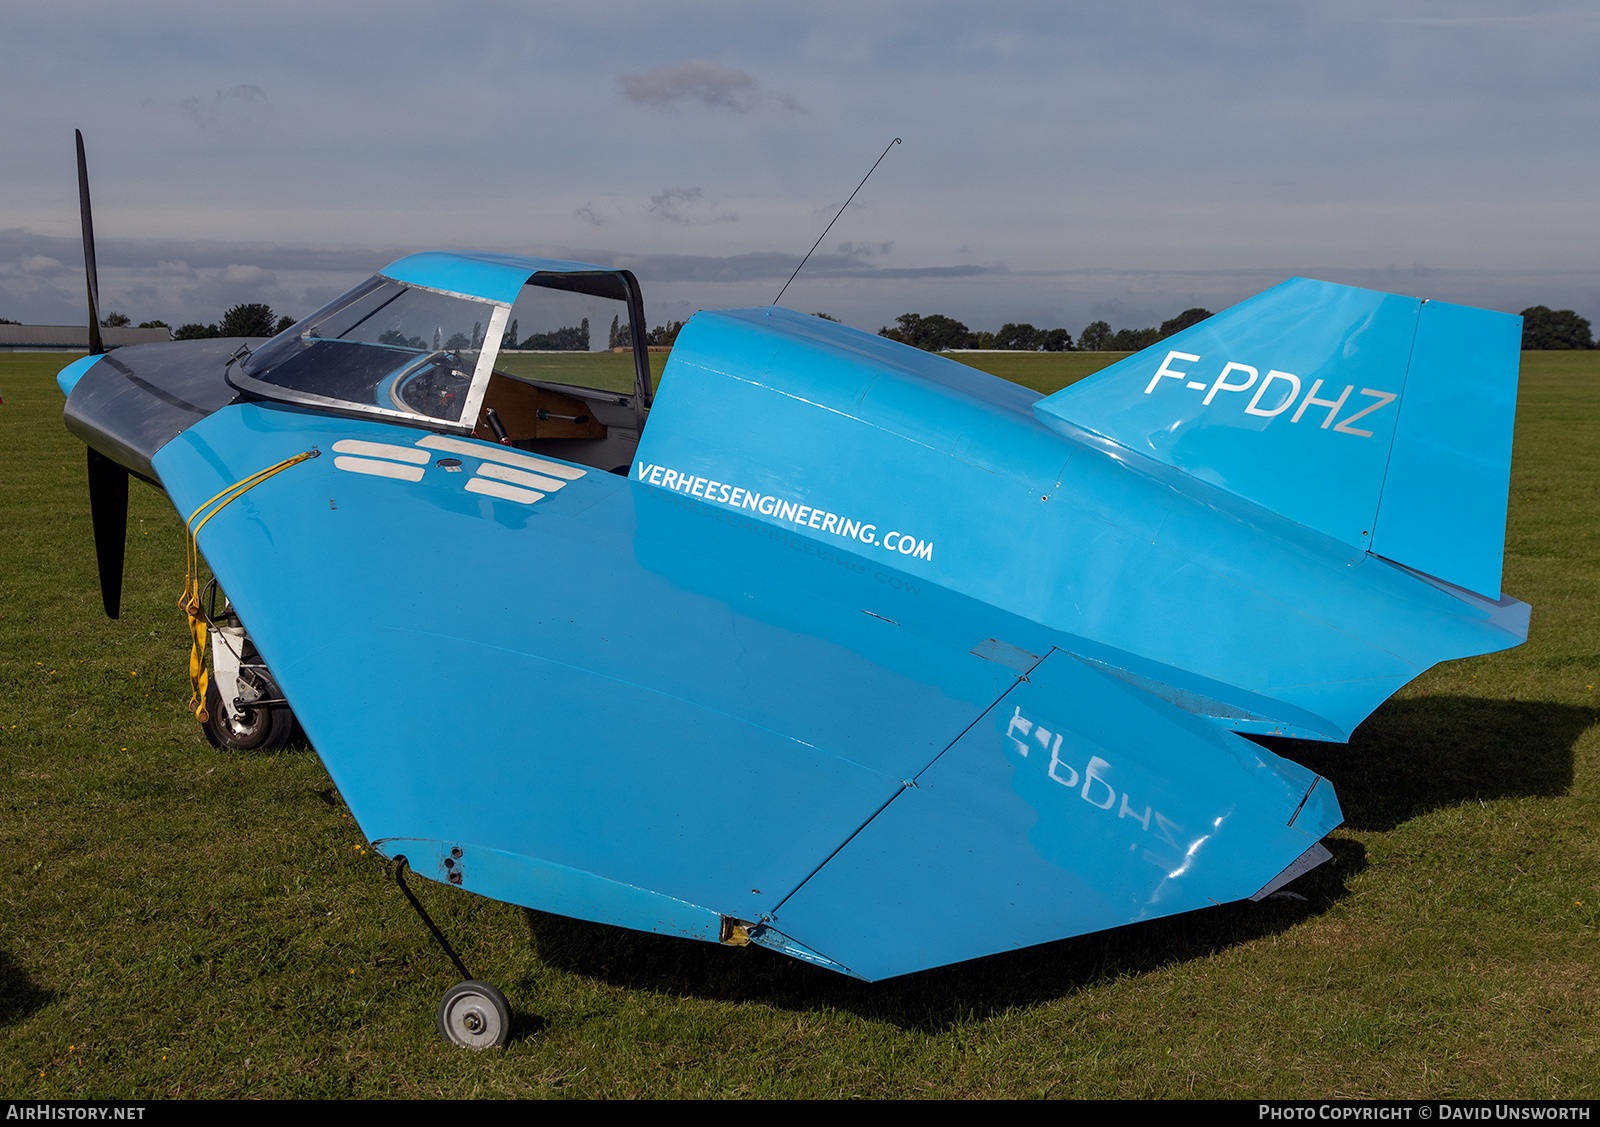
(1061, 162)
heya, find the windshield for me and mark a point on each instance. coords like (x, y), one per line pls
(384, 346)
(574, 330)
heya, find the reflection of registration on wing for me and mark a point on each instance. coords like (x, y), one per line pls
(738, 497)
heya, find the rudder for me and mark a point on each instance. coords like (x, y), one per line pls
(1443, 509)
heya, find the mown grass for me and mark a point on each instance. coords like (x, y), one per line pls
(608, 371)
(1044, 372)
(179, 922)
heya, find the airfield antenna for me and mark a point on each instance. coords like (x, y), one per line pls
(835, 219)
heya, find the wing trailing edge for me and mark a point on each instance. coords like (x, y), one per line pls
(1077, 803)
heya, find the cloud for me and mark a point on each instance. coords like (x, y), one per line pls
(204, 111)
(41, 264)
(1534, 21)
(586, 213)
(249, 275)
(865, 250)
(690, 207)
(700, 80)
(766, 266)
(182, 257)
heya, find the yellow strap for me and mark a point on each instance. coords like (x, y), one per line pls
(199, 679)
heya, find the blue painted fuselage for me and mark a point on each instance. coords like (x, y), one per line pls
(868, 654)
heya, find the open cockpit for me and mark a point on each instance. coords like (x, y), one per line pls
(542, 355)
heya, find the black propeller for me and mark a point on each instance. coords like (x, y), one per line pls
(96, 347)
(108, 480)
(108, 510)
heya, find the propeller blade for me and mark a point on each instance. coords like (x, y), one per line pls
(108, 510)
(92, 275)
(108, 481)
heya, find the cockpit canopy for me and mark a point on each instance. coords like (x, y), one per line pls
(420, 342)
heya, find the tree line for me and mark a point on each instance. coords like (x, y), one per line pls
(253, 320)
(660, 336)
(575, 338)
(937, 332)
(1542, 328)
(122, 321)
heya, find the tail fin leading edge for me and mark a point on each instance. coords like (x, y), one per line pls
(1382, 421)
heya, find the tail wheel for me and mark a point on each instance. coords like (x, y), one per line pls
(474, 1015)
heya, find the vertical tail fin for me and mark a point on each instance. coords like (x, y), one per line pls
(1382, 421)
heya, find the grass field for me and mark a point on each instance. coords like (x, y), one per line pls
(613, 371)
(609, 371)
(179, 922)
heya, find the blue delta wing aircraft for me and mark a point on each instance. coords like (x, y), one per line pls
(827, 644)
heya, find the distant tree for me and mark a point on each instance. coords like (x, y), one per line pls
(193, 331)
(1543, 327)
(115, 321)
(284, 322)
(457, 342)
(154, 325)
(252, 320)
(1132, 340)
(1095, 338)
(621, 335)
(396, 339)
(667, 335)
(933, 333)
(825, 317)
(1183, 321)
(508, 339)
(1017, 337)
(573, 338)
(8, 321)
(1025, 338)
